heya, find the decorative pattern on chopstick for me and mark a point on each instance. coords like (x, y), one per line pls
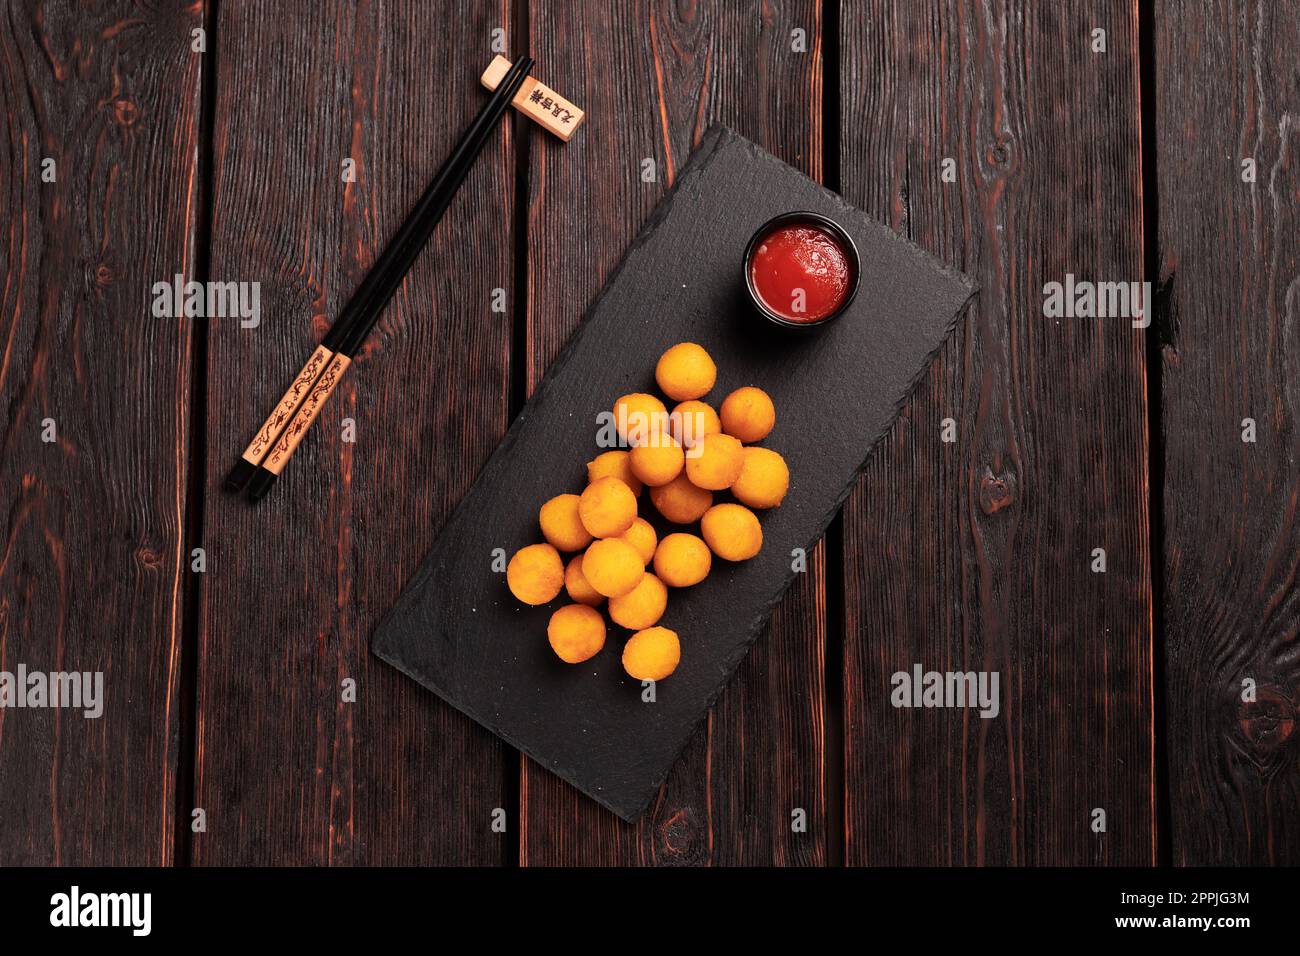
(311, 406)
(270, 429)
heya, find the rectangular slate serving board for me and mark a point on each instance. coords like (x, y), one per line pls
(456, 627)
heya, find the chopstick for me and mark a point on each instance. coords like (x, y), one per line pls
(284, 429)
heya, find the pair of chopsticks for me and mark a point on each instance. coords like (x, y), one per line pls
(283, 431)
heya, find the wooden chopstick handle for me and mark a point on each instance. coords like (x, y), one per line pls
(289, 402)
(283, 412)
(311, 406)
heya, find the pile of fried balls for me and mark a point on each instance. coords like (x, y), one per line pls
(684, 457)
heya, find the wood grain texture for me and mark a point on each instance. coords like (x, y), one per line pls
(287, 771)
(91, 523)
(1230, 266)
(651, 77)
(976, 555)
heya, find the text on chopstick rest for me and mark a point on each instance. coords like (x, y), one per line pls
(537, 101)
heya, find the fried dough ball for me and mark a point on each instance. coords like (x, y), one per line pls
(576, 633)
(659, 460)
(642, 606)
(715, 463)
(642, 537)
(612, 567)
(691, 421)
(637, 416)
(764, 478)
(748, 414)
(607, 508)
(615, 464)
(685, 371)
(535, 574)
(682, 560)
(732, 532)
(652, 654)
(578, 586)
(680, 501)
(561, 525)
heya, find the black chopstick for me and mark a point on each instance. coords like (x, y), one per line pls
(284, 429)
(386, 275)
(433, 204)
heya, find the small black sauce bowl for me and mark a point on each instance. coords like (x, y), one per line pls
(802, 219)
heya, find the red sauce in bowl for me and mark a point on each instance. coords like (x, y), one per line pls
(801, 272)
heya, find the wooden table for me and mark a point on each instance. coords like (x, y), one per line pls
(1020, 142)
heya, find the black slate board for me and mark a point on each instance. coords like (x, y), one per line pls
(457, 629)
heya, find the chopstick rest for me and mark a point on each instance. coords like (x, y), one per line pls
(537, 101)
(284, 429)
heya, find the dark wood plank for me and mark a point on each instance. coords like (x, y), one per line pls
(91, 525)
(652, 77)
(1230, 264)
(976, 555)
(286, 771)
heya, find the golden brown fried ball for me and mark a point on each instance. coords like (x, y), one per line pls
(561, 525)
(732, 532)
(680, 501)
(748, 414)
(535, 574)
(576, 633)
(764, 478)
(637, 416)
(682, 560)
(615, 464)
(685, 371)
(579, 587)
(612, 567)
(607, 508)
(658, 461)
(652, 654)
(642, 606)
(715, 463)
(691, 421)
(642, 537)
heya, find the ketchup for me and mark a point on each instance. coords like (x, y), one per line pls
(801, 272)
